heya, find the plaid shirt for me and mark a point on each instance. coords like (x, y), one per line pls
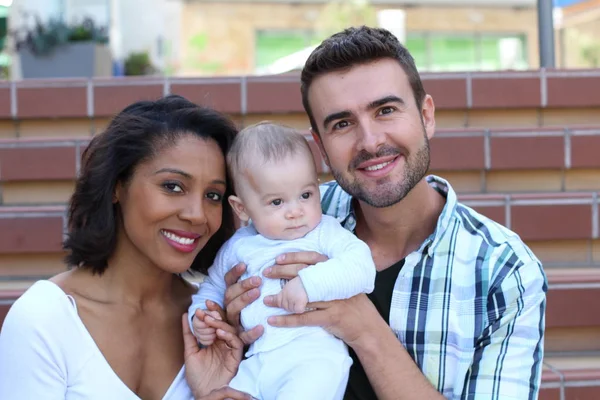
(468, 305)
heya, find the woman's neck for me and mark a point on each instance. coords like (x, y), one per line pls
(131, 278)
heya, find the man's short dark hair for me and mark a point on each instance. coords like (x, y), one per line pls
(355, 46)
(136, 135)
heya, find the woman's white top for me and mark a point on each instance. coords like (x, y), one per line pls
(46, 352)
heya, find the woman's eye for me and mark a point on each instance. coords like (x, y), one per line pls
(306, 195)
(173, 187)
(276, 202)
(215, 197)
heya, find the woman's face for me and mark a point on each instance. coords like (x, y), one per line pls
(173, 204)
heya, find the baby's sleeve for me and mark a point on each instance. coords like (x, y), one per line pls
(349, 271)
(213, 287)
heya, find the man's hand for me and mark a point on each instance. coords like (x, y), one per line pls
(241, 293)
(288, 264)
(352, 320)
(293, 297)
(237, 296)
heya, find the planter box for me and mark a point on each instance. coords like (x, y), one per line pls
(74, 60)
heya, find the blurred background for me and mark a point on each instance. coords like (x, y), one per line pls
(237, 37)
(516, 84)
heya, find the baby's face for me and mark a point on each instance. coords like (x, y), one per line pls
(282, 197)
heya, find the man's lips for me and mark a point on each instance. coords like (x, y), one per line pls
(380, 162)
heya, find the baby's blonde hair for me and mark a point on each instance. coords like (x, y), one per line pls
(261, 143)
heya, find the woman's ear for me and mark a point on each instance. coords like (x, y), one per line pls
(238, 207)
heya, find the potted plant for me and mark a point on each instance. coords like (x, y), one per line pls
(56, 49)
(139, 63)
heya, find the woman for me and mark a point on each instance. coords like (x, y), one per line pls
(147, 204)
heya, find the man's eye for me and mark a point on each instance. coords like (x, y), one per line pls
(276, 202)
(386, 110)
(341, 125)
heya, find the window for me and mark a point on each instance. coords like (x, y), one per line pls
(272, 45)
(467, 52)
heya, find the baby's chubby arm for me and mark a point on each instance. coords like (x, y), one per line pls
(293, 296)
(349, 271)
(210, 295)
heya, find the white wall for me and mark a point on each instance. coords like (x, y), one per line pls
(133, 25)
(150, 25)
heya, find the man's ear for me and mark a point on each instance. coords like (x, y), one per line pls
(238, 207)
(317, 140)
(428, 116)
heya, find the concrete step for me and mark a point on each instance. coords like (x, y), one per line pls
(41, 170)
(571, 377)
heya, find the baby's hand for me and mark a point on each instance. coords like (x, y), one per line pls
(205, 334)
(293, 297)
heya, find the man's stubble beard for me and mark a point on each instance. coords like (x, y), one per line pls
(389, 193)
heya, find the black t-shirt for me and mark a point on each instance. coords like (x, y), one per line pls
(359, 387)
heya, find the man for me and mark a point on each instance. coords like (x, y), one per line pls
(459, 301)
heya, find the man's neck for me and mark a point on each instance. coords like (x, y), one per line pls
(394, 232)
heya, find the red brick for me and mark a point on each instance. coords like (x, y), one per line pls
(565, 307)
(273, 96)
(52, 102)
(110, 100)
(7, 298)
(225, 97)
(549, 394)
(506, 92)
(5, 111)
(582, 392)
(447, 93)
(574, 91)
(496, 213)
(527, 152)
(584, 151)
(31, 234)
(552, 222)
(457, 153)
(26, 164)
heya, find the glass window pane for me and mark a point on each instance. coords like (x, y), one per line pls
(453, 53)
(272, 45)
(417, 46)
(503, 52)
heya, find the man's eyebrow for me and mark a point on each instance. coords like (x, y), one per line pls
(332, 117)
(384, 100)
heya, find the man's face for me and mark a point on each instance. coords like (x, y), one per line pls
(372, 134)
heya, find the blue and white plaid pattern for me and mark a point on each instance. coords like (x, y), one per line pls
(468, 305)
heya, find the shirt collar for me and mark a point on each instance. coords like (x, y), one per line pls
(345, 213)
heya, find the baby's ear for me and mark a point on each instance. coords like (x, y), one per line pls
(238, 207)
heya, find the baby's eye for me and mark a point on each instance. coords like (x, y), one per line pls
(306, 195)
(173, 187)
(277, 202)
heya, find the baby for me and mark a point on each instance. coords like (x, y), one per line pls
(277, 194)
